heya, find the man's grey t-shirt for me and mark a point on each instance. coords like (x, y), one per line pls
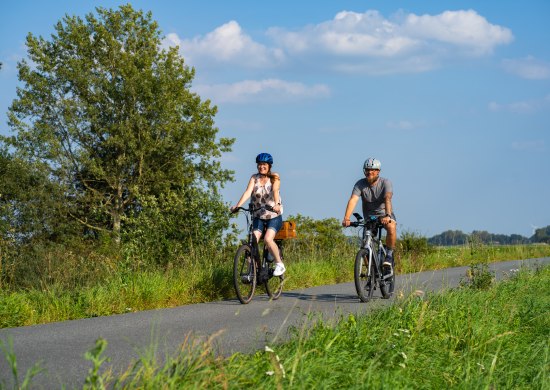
(373, 196)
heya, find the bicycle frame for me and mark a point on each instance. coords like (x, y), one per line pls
(254, 244)
(371, 242)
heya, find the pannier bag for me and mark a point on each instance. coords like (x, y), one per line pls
(287, 231)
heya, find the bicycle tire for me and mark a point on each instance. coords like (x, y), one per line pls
(364, 281)
(274, 284)
(244, 274)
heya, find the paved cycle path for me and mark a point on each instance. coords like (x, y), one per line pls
(60, 347)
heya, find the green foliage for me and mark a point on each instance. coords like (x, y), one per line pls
(9, 355)
(449, 237)
(479, 277)
(457, 237)
(95, 380)
(109, 118)
(30, 204)
(324, 233)
(413, 243)
(542, 235)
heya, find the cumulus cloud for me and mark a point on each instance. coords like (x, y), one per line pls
(261, 90)
(522, 107)
(226, 44)
(352, 42)
(528, 68)
(464, 30)
(406, 42)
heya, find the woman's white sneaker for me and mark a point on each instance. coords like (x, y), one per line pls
(279, 269)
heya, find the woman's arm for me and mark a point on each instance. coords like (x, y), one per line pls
(276, 186)
(246, 194)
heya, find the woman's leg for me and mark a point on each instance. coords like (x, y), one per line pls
(271, 245)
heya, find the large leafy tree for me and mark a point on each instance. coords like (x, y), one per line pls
(109, 113)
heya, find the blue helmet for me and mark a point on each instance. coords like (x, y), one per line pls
(264, 158)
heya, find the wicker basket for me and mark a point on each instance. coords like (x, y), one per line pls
(287, 231)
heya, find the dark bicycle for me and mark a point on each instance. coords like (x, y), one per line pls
(252, 267)
(368, 261)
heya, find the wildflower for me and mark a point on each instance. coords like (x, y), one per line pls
(275, 362)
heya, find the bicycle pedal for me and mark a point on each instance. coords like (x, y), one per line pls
(246, 279)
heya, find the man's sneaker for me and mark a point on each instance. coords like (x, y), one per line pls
(279, 269)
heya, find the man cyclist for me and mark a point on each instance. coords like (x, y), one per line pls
(376, 193)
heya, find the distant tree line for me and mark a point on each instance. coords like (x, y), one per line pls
(457, 237)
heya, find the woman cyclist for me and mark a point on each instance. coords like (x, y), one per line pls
(263, 189)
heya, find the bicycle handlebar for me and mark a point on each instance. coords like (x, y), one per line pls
(251, 209)
(371, 222)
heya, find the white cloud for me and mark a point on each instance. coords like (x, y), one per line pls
(352, 42)
(226, 44)
(522, 107)
(262, 90)
(407, 42)
(528, 68)
(464, 30)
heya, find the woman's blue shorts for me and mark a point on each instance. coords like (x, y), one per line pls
(274, 224)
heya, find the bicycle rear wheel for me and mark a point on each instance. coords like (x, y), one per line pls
(244, 274)
(364, 280)
(274, 284)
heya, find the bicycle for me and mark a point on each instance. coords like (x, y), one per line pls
(368, 261)
(252, 268)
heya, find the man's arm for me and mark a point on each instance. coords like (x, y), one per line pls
(389, 208)
(352, 202)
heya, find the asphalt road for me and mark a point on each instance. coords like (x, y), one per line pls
(60, 347)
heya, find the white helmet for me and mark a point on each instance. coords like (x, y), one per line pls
(371, 163)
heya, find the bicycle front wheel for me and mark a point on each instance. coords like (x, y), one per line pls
(244, 274)
(274, 284)
(364, 280)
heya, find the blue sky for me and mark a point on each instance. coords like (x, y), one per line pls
(452, 96)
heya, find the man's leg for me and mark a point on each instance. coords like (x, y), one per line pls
(391, 238)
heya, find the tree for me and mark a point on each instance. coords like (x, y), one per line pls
(28, 202)
(111, 116)
(449, 237)
(541, 235)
